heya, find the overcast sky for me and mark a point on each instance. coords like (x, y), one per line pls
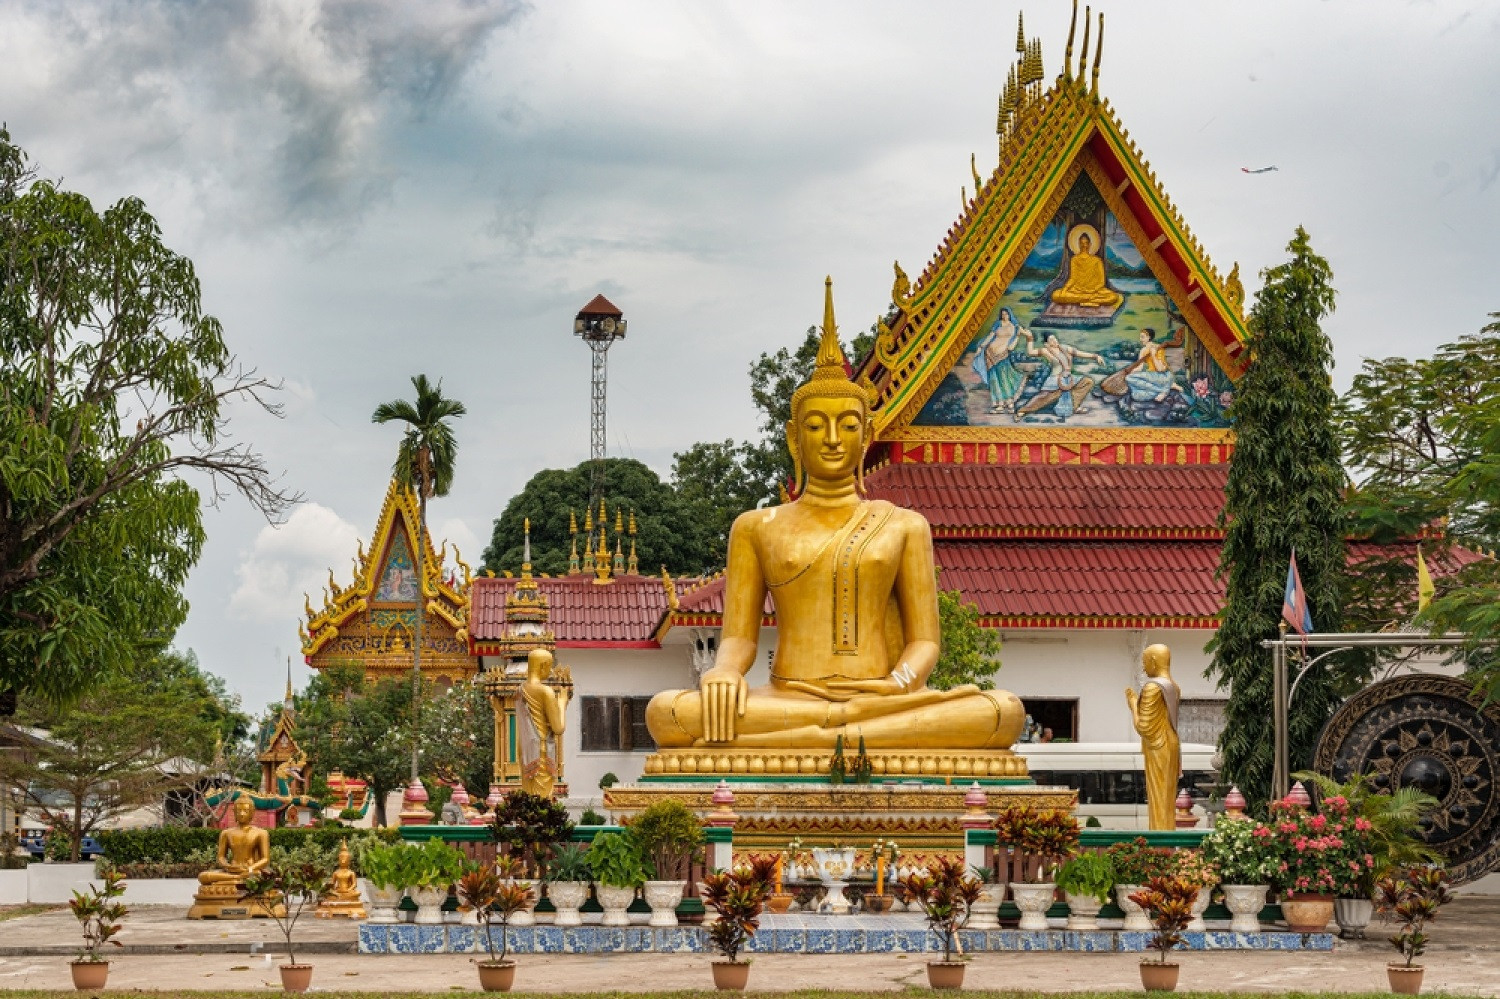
(373, 189)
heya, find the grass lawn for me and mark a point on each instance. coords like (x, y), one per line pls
(694, 994)
(17, 911)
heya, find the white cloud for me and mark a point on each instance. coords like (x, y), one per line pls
(456, 532)
(290, 560)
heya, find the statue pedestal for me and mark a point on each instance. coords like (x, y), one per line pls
(222, 901)
(925, 818)
(333, 908)
(927, 765)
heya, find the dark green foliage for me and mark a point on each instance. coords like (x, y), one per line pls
(533, 825)
(667, 531)
(669, 835)
(360, 728)
(114, 383)
(838, 767)
(99, 914)
(1285, 491)
(173, 844)
(968, 653)
(592, 818)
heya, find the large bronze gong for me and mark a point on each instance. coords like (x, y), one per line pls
(1428, 732)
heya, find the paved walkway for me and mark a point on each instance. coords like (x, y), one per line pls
(166, 951)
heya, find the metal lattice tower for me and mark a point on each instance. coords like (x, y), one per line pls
(600, 324)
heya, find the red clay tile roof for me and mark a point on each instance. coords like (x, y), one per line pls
(625, 611)
(600, 306)
(1058, 500)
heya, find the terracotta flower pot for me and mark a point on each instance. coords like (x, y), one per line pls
(296, 977)
(1159, 977)
(496, 976)
(1307, 913)
(731, 975)
(1407, 981)
(89, 974)
(945, 974)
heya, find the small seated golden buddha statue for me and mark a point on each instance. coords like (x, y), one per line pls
(244, 849)
(1087, 284)
(855, 593)
(342, 899)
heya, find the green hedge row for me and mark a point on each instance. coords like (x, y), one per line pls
(173, 844)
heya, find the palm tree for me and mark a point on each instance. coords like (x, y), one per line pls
(424, 462)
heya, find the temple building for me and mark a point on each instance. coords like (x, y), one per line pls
(372, 621)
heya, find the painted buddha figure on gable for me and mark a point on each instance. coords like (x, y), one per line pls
(855, 593)
(1087, 285)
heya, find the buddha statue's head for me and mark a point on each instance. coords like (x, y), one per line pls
(244, 810)
(1157, 660)
(538, 665)
(831, 425)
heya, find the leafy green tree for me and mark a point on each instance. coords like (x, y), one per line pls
(361, 728)
(669, 531)
(969, 652)
(1285, 492)
(425, 462)
(458, 730)
(115, 382)
(103, 754)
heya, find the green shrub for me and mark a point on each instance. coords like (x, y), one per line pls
(180, 844)
(615, 859)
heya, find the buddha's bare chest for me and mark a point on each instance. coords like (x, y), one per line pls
(807, 557)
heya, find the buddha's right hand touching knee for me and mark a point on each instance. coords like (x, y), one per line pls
(724, 692)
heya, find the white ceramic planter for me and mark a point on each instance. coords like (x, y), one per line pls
(1353, 915)
(986, 912)
(663, 897)
(1033, 900)
(429, 905)
(527, 916)
(383, 902)
(1083, 912)
(834, 868)
(615, 901)
(566, 897)
(1200, 904)
(1244, 903)
(1135, 916)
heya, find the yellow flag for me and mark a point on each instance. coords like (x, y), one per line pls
(1425, 589)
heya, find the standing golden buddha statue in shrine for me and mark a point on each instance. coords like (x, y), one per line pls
(1154, 714)
(855, 594)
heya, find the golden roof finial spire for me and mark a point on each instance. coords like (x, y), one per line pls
(1083, 57)
(526, 550)
(588, 521)
(1098, 57)
(632, 523)
(619, 520)
(601, 557)
(288, 700)
(1020, 31)
(572, 521)
(1068, 52)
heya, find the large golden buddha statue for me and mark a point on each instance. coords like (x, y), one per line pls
(855, 593)
(244, 849)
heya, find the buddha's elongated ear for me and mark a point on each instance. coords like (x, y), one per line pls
(867, 432)
(791, 446)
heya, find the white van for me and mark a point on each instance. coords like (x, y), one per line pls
(1110, 777)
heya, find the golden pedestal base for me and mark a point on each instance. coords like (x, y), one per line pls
(926, 819)
(329, 908)
(222, 901)
(927, 764)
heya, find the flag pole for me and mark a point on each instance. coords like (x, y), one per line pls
(1280, 784)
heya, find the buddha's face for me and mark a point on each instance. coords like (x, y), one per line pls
(244, 811)
(830, 435)
(1085, 245)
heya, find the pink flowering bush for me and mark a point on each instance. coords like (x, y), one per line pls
(1327, 852)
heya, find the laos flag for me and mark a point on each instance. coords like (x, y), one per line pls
(1294, 605)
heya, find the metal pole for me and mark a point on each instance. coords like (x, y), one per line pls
(596, 421)
(1279, 783)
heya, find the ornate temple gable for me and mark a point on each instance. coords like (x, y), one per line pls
(372, 620)
(1067, 172)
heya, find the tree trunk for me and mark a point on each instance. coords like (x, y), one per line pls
(75, 836)
(416, 649)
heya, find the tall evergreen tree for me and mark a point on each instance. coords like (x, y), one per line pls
(1285, 492)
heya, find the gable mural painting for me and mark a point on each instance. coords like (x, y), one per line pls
(399, 581)
(1084, 335)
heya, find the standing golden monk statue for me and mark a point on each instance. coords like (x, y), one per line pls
(541, 725)
(1154, 712)
(855, 594)
(244, 849)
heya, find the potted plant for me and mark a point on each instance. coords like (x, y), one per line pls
(1087, 880)
(298, 885)
(946, 894)
(736, 897)
(670, 837)
(492, 899)
(883, 857)
(532, 825)
(1168, 903)
(985, 913)
(1241, 850)
(1192, 867)
(1045, 838)
(99, 916)
(1412, 896)
(387, 869)
(568, 887)
(780, 900)
(1311, 849)
(619, 870)
(1136, 862)
(434, 866)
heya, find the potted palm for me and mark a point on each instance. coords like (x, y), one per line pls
(298, 885)
(1413, 897)
(1087, 880)
(99, 915)
(1241, 851)
(1168, 903)
(736, 897)
(494, 899)
(946, 893)
(670, 836)
(568, 884)
(619, 870)
(985, 914)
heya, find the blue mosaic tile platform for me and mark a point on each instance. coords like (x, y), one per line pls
(794, 934)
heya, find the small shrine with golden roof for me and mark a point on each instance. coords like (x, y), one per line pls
(372, 620)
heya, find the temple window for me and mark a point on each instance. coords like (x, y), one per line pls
(616, 725)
